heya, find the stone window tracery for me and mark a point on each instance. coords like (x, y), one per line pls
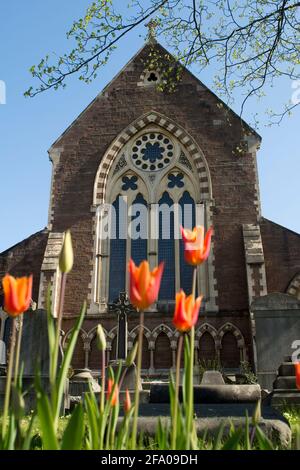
(153, 170)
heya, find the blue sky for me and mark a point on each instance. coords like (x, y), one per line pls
(32, 28)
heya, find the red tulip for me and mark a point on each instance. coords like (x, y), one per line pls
(186, 311)
(144, 284)
(115, 396)
(17, 294)
(127, 402)
(196, 247)
(297, 371)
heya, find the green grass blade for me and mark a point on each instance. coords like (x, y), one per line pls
(74, 432)
(233, 441)
(263, 441)
(47, 423)
(67, 360)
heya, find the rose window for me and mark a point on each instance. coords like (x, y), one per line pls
(152, 152)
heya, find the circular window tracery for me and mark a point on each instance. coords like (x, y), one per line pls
(152, 151)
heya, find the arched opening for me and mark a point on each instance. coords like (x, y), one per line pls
(207, 350)
(95, 356)
(145, 353)
(117, 265)
(166, 249)
(230, 354)
(188, 221)
(113, 352)
(163, 353)
(182, 353)
(78, 360)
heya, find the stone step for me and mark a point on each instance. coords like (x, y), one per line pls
(286, 369)
(210, 417)
(286, 383)
(286, 398)
(210, 393)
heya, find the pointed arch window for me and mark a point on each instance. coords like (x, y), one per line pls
(188, 220)
(166, 247)
(155, 171)
(139, 224)
(117, 258)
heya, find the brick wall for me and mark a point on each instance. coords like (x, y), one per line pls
(196, 109)
(282, 255)
(25, 258)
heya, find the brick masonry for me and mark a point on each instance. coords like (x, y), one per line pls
(233, 196)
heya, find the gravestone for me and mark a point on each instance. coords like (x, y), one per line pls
(276, 320)
(212, 377)
(122, 308)
(35, 346)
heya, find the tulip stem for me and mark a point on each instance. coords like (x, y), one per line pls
(102, 382)
(19, 341)
(137, 382)
(58, 323)
(190, 402)
(194, 282)
(9, 377)
(176, 404)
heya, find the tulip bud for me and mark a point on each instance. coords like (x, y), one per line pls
(132, 355)
(256, 417)
(66, 257)
(127, 402)
(101, 339)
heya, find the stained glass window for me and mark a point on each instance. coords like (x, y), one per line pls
(152, 152)
(187, 205)
(117, 260)
(139, 244)
(166, 250)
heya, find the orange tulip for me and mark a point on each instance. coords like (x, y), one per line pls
(127, 402)
(144, 284)
(115, 397)
(186, 311)
(196, 247)
(297, 371)
(17, 294)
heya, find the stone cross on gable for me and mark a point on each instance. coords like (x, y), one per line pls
(152, 25)
(122, 307)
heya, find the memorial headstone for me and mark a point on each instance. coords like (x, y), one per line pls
(276, 328)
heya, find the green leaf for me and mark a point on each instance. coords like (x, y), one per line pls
(263, 441)
(233, 441)
(218, 441)
(46, 422)
(92, 415)
(28, 436)
(63, 372)
(73, 435)
(11, 434)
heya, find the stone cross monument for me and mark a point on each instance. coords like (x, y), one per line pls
(122, 307)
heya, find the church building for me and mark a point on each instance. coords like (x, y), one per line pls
(152, 147)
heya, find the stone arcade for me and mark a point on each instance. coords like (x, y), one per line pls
(156, 147)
